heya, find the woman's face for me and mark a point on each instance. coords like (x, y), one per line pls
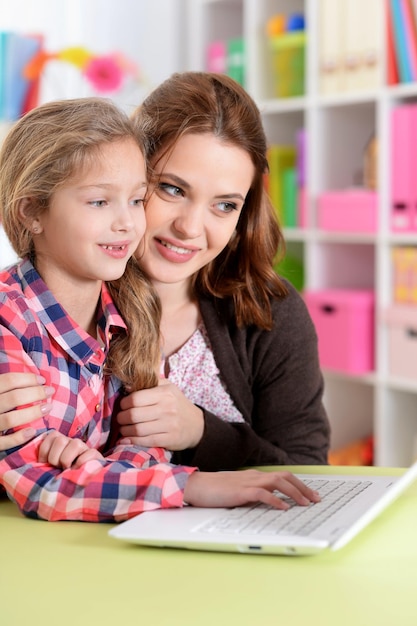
(194, 208)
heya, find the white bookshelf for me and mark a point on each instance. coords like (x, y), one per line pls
(337, 127)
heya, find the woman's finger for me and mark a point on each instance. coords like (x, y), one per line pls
(19, 380)
(13, 419)
(16, 439)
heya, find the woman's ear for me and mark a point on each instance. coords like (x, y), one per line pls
(25, 209)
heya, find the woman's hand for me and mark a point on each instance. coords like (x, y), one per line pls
(21, 390)
(226, 489)
(161, 417)
(62, 451)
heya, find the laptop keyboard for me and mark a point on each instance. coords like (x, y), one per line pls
(301, 520)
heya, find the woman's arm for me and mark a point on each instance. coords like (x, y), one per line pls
(18, 390)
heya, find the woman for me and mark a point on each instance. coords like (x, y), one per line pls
(238, 341)
(240, 356)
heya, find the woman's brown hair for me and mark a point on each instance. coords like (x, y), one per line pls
(42, 151)
(200, 102)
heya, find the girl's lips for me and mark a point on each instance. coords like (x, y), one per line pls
(173, 252)
(116, 250)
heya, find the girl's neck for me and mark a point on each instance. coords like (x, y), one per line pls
(80, 302)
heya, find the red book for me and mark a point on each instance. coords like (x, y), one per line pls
(392, 68)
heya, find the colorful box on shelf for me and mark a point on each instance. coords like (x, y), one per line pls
(350, 210)
(404, 265)
(288, 64)
(401, 320)
(227, 57)
(344, 322)
(403, 158)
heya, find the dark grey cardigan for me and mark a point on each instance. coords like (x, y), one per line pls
(274, 380)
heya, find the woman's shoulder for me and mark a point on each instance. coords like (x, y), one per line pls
(290, 302)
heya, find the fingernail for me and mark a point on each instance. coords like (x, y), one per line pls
(41, 380)
(49, 391)
(46, 408)
(125, 442)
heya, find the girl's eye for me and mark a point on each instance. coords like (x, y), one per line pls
(98, 203)
(172, 190)
(226, 207)
(138, 201)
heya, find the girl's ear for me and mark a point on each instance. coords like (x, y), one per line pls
(25, 209)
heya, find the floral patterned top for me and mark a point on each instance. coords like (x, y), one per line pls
(193, 369)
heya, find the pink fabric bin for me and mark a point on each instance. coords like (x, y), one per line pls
(344, 321)
(352, 210)
(402, 341)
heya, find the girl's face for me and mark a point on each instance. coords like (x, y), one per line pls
(95, 221)
(194, 209)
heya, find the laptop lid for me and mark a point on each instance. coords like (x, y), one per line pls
(349, 503)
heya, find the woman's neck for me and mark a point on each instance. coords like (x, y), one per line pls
(180, 315)
(173, 297)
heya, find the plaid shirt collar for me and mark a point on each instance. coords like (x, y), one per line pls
(65, 331)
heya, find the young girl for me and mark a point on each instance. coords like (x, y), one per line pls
(72, 185)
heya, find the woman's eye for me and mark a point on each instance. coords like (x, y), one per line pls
(172, 190)
(226, 207)
(98, 203)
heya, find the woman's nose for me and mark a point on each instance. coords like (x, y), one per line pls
(190, 222)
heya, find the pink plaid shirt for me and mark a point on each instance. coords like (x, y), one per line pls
(36, 335)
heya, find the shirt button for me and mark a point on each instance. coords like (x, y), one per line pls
(98, 406)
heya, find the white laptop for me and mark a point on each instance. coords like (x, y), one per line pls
(348, 504)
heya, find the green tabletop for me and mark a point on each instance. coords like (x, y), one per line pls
(69, 573)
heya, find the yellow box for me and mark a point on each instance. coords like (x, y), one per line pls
(288, 63)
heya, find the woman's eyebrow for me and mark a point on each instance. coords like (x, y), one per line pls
(184, 185)
(175, 179)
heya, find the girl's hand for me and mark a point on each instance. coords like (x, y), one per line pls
(226, 489)
(21, 390)
(160, 417)
(62, 451)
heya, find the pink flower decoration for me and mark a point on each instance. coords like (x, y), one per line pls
(104, 73)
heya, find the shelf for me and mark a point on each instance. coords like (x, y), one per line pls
(338, 128)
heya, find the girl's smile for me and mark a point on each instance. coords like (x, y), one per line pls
(101, 210)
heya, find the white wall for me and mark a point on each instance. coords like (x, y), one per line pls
(150, 32)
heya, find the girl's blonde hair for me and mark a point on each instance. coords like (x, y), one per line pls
(205, 103)
(45, 148)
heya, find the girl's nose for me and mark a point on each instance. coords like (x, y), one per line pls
(124, 219)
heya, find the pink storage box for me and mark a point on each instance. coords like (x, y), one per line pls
(351, 210)
(402, 341)
(344, 321)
